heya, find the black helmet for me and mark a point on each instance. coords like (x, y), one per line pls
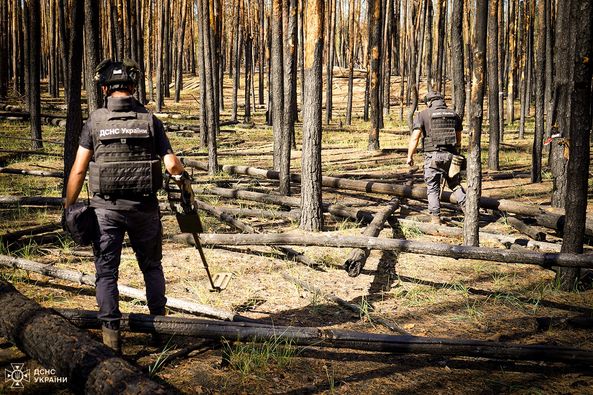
(116, 75)
(431, 95)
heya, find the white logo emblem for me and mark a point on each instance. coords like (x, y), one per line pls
(17, 375)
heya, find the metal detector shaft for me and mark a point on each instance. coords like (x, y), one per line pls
(203, 258)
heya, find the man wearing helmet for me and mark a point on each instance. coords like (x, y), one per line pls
(122, 145)
(440, 130)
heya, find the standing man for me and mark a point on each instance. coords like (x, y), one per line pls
(122, 145)
(440, 130)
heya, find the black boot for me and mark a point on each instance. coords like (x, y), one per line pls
(112, 339)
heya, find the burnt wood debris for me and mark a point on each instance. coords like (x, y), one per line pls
(293, 118)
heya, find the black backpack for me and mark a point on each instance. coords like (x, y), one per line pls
(81, 223)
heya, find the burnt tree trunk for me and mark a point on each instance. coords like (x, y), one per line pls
(248, 58)
(493, 112)
(311, 215)
(74, 70)
(92, 48)
(290, 85)
(34, 27)
(474, 165)
(331, 24)
(357, 258)
(376, 17)
(577, 172)
(563, 85)
(179, 61)
(457, 57)
(238, 29)
(160, 68)
(540, 65)
(90, 366)
(350, 64)
(277, 71)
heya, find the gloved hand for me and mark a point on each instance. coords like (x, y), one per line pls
(410, 162)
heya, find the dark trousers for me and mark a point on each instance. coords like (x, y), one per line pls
(145, 232)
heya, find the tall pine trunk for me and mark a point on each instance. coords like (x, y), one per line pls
(457, 58)
(579, 134)
(312, 217)
(375, 74)
(493, 113)
(92, 47)
(474, 165)
(540, 65)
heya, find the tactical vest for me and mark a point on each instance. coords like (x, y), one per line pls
(125, 161)
(440, 134)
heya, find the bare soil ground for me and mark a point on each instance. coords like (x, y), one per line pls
(426, 295)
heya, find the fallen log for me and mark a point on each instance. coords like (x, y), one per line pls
(13, 236)
(292, 215)
(415, 192)
(7, 136)
(40, 173)
(11, 201)
(87, 365)
(449, 231)
(545, 260)
(337, 338)
(238, 224)
(357, 258)
(392, 326)
(526, 229)
(334, 209)
(30, 152)
(86, 279)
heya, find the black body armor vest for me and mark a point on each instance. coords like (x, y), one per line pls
(440, 134)
(125, 161)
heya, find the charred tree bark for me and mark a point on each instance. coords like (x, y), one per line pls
(92, 49)
(90, 366)
(248, 76)
(160, 67)
(5, 49)
(309, 336)
(202, 75)
(540, 66)
(74, 115)
(350, 64)
(357, 258)
(474, 165)
(34, 27)
(579, 137)
(179, 61)
(211, 71)
(512, 54)
(457, 57)
(563, 86)
(238, 28)
(277, 89)
(290, 85)
(376, 17)
(311, 215)
(546, 260)
(262, 53)
(331, 39)
(493, 111)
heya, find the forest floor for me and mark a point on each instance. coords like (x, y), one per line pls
(425, 295)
